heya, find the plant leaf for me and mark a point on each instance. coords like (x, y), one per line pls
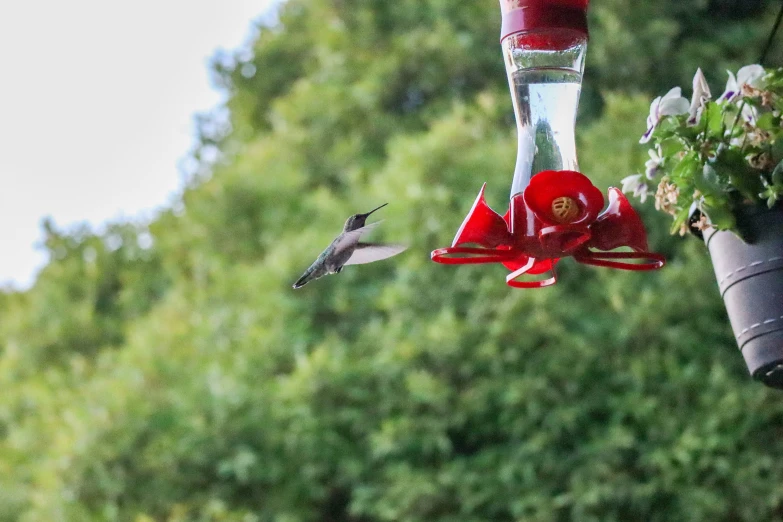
(715, 120)
(679, 219)
(766, 122)
(708, 183)
(720, 216)
(777, 174)
(687, 169)
(671, 146)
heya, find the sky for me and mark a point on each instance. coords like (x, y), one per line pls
(96, 109)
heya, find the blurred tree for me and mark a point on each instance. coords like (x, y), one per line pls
(170, 373)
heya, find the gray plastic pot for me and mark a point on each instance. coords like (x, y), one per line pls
(750, 279)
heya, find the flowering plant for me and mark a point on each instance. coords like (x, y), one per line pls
(711, 156)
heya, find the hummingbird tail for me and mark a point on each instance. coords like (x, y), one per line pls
(310, 274)
(302, 281)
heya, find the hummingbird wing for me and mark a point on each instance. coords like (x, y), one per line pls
(349, 239)
(369, 252)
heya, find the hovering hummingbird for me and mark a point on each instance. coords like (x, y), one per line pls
(346, 249)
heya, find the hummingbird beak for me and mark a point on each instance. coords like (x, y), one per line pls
(373, 210)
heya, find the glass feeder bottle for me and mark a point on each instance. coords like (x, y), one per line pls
(544, 44)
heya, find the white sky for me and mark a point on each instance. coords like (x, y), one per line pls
(96, 106)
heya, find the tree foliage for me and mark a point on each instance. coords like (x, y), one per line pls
(170, 373)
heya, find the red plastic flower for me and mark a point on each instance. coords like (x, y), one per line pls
(556, 216)
(563, 197)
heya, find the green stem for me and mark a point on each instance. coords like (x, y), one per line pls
(739, 114)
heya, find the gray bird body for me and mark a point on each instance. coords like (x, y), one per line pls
(346, 249)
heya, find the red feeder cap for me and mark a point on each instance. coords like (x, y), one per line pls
(536, 15)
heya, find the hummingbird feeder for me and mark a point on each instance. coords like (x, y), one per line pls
(555, 211)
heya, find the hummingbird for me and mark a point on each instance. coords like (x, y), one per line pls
(346, 249)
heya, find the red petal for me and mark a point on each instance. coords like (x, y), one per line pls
(619, 225)
(482, 226)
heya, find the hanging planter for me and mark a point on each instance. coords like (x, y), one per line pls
(750, 279)
(554, 210)
(718, 167)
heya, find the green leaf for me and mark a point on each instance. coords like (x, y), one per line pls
(767, 122)
(776, 150)
(715, 120)
(671, 146)
(746, 181)
(669, 123)
(679, 219)
(720, 215)
(777, 174)
(708, 183)
(734, 169)
(687, 169)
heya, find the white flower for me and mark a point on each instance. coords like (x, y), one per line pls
(749, 114)
(635, 184)
(748, 76)
(670, 104)
(654, 163)
(701, 93)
